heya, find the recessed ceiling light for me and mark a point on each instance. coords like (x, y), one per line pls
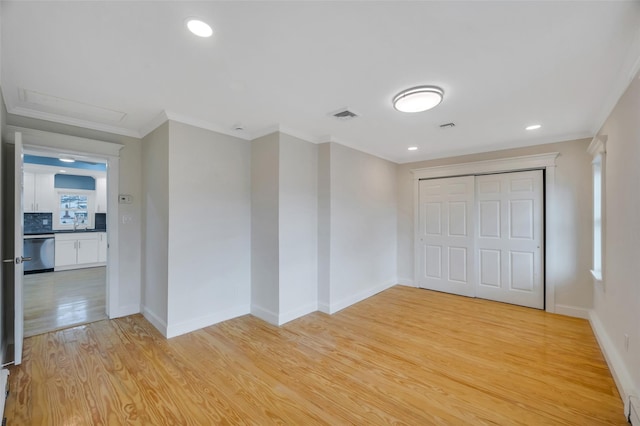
(67, 160)
(199, 28)
(418, 99)
(413, 148)
(62, 171)
(533, 127)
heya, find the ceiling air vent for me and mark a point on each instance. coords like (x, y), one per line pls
(447, 125)
(344, 114)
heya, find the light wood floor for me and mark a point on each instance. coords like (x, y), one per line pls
(56, 300)
(406, 355)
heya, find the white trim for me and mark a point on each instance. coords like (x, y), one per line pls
(127, 310)
(538, 161)
(155, 320)
(634, 411)
(297, 313)
(407, 282)
(158, 121)
(572, 311)
(598, 145)
(621, 375)
(264, 314)
(56, 118)
(4, 382)
(545, 161)
(61, 143)
(324, 308)
(358, 297)
(48, 142)
(203, 124)
(190, 325)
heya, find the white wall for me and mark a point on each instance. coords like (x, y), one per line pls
(265, 252)
(324, 227)
(617, 305)
(573, 195)
(209, 228)
(363, 226)
(155, 211)
(298, 228)
(129, 235)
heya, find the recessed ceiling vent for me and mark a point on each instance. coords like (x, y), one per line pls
(344, 114)
(447, 125)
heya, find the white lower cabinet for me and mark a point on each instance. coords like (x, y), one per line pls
(102, 247)
(78, 250)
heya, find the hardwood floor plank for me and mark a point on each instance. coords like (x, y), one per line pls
(405, 356)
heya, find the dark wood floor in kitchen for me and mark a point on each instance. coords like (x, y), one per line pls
(404, 355)
(56, 300)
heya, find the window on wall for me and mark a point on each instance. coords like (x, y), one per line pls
(597, 150)
(73, 209)
(597, 218)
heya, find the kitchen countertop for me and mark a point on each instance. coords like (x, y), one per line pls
(65, 231)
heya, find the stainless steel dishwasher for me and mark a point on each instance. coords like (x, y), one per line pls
(41, 249)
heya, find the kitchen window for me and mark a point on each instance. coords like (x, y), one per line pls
(73, 210)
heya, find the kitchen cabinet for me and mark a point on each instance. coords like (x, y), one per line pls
(39, 194)
(101, 195)
(78, 250)
(102, 247)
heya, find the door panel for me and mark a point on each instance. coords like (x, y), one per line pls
(445, 235)
(510, 238)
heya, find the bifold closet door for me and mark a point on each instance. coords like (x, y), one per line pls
(445, 235)
(510, 238)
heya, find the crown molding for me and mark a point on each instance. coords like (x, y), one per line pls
(56, 118)
(153, 124)
(598, 145)
(207, 125)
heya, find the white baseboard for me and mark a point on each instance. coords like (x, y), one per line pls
(634, 411)
(572, 311)
(4, 379)
(407, 282)
(324, 307)
(264, 314)
(155, 320)
(358, 297)
(125, 311)
(620, 373)
(297, 313)
(194, 324)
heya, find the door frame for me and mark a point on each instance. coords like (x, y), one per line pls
(48, 143)
(546, 162)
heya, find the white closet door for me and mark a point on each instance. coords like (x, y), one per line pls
(510, 238)
(445, 235)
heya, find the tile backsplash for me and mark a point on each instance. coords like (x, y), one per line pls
(35, 223)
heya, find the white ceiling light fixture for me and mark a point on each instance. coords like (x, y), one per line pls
(199, 28)
(413, 148)
(67, 160)
(533, 127)
(418, 99)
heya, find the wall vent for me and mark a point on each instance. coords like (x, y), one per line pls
(344, 114)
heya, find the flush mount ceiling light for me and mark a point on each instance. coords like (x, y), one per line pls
(418, 99)
(533, 127)
(199, 28)
(413, 148)
(67, 160)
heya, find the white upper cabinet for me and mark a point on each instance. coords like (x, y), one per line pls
(38, 192)
(101, 194)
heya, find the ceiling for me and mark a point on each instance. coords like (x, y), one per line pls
(126, 66)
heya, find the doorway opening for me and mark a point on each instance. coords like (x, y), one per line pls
(65, 236)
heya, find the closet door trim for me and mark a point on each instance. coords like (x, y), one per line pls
(546, 162)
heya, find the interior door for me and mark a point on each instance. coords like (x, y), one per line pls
(510, 238)
(445, 235)
(13, 251)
